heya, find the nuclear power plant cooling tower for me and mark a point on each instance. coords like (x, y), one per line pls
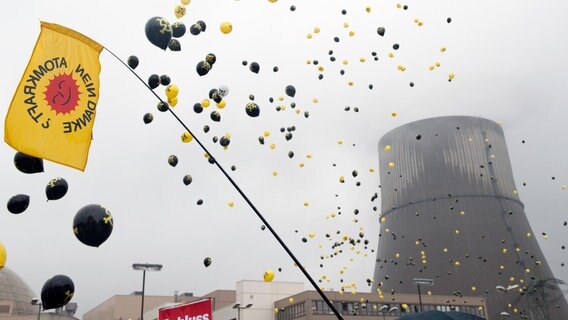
(451, 213)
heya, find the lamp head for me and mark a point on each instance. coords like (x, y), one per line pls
(147, 267)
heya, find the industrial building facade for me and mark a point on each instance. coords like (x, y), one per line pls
(451, 213)
(259, 300)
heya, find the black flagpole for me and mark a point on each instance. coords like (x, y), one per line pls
(258, 214)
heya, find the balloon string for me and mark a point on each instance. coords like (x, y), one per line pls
(259, 215)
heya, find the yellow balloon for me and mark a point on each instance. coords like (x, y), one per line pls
(391, 165)
(222, 104)
(205, 103)
(3, 256)
(388, 148)
(173, 101)
(226, 27)
(172, 91)
(180, 10)
(291, 300)
(272, 1)
(268, 275)
(186, 2)
(186, 137)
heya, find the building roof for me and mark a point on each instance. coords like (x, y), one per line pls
(14, 289)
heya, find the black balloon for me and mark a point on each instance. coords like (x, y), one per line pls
(178, 29)
(57, 292)
(133, 62)
(187, 179)
(92, 225)
(18, 203)
(203, 68)
(290, 91)
(154, 81)
(173, 160)
(252, 109)
(211, 92)
(202, 25)
(224, 141)
(381, 31)
(254, 67)
(174, 45)
(197, 108)
(148, 117)
(195, 29)
(216, 97)
(207, 262)
(215, 116)
(56, 189)
(28, 164)
(159, 32)
(163, 106)
(211, 58)
(165, 80)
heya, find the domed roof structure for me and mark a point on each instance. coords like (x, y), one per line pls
(13, 289)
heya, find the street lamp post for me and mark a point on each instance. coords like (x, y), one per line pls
(391, 310)
(424, 282)
(36, 302)
(239, 307)
(145, 267)
(383, 309)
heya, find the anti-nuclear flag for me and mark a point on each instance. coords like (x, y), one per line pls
(53, 110)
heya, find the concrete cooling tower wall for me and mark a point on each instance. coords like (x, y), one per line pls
(451, 213)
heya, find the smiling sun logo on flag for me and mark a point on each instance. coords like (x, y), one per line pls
(62, 93)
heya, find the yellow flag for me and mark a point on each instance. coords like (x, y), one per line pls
(53, 110)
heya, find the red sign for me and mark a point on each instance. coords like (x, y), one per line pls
(198, 310)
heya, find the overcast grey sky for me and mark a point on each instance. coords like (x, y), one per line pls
(509, 62)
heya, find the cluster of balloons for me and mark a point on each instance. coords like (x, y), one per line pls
(204, 66)
(92, 224)
(155, 80)
(163, 35)
(197, 28)
(172, 92)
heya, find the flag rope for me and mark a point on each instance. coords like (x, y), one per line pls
(253, 207)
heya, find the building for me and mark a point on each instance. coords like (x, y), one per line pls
(220, 299)
(127, 307)
(259, 300)
(308, 305)
(16, 301)
(260, 297)
(451, 213)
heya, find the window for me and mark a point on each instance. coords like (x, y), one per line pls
(4, 309)
(292, 312)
